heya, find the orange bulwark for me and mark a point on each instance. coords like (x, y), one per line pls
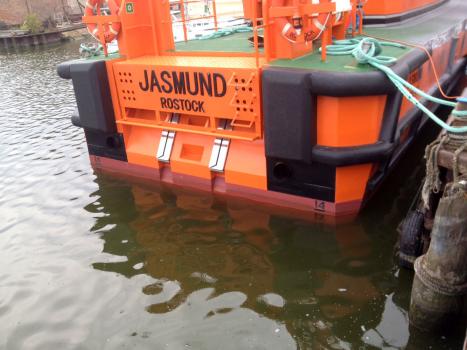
(262, 113)
(391, 7)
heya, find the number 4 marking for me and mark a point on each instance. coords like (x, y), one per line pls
(320, 205)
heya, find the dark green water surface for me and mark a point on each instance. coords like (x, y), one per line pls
(89, 261)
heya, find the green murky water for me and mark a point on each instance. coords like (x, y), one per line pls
(88, 261)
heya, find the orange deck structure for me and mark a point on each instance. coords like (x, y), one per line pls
(262, 114)
(391, 7)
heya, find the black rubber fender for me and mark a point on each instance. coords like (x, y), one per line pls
(75, 118)
(410, 241)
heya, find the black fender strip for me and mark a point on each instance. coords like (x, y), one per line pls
(343, 156)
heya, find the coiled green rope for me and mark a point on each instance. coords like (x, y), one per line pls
(89, 50)
(368, 51)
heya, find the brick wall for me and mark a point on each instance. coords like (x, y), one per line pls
(13, 12)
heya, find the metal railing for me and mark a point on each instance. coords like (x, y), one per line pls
(186, 19)
(258, 24)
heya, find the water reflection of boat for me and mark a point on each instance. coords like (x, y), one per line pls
(198, 247)
(335, 279)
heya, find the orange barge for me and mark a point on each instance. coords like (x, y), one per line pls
(262, 114)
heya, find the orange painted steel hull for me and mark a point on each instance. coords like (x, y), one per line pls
(245, 174)
(290, 203)
(309, 140)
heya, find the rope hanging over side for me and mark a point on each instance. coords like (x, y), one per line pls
(432, 182)
(368, 51)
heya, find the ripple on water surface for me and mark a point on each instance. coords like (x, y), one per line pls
(94, 262)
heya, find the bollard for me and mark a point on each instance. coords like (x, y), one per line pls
(440, 281)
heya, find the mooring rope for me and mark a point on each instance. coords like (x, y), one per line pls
(432, 182)
(368, 51)
(89, 50)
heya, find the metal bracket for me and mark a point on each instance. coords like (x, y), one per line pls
(219, 154)
(167, 141)
(220, 149)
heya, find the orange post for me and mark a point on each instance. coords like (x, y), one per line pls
(214, 10)
(324, 43)
(353, 17)
(267, 30)
(182, 12)
(153, 25)
(255, 32)
(100, 28)
(360, 20)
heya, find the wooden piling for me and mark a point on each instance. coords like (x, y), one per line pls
(440, 282)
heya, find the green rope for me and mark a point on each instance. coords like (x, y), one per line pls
(368, 51)
(90, 49)
(226, 31)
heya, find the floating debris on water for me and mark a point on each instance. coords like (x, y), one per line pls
(272, 299)
(138, 266)
(204, 277)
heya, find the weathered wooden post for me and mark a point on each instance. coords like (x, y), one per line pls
(440, 281)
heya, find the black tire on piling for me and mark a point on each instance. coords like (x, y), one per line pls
(410, 241)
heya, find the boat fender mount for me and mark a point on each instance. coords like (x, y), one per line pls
(94, 112)
(75, 118)
(91, 85)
